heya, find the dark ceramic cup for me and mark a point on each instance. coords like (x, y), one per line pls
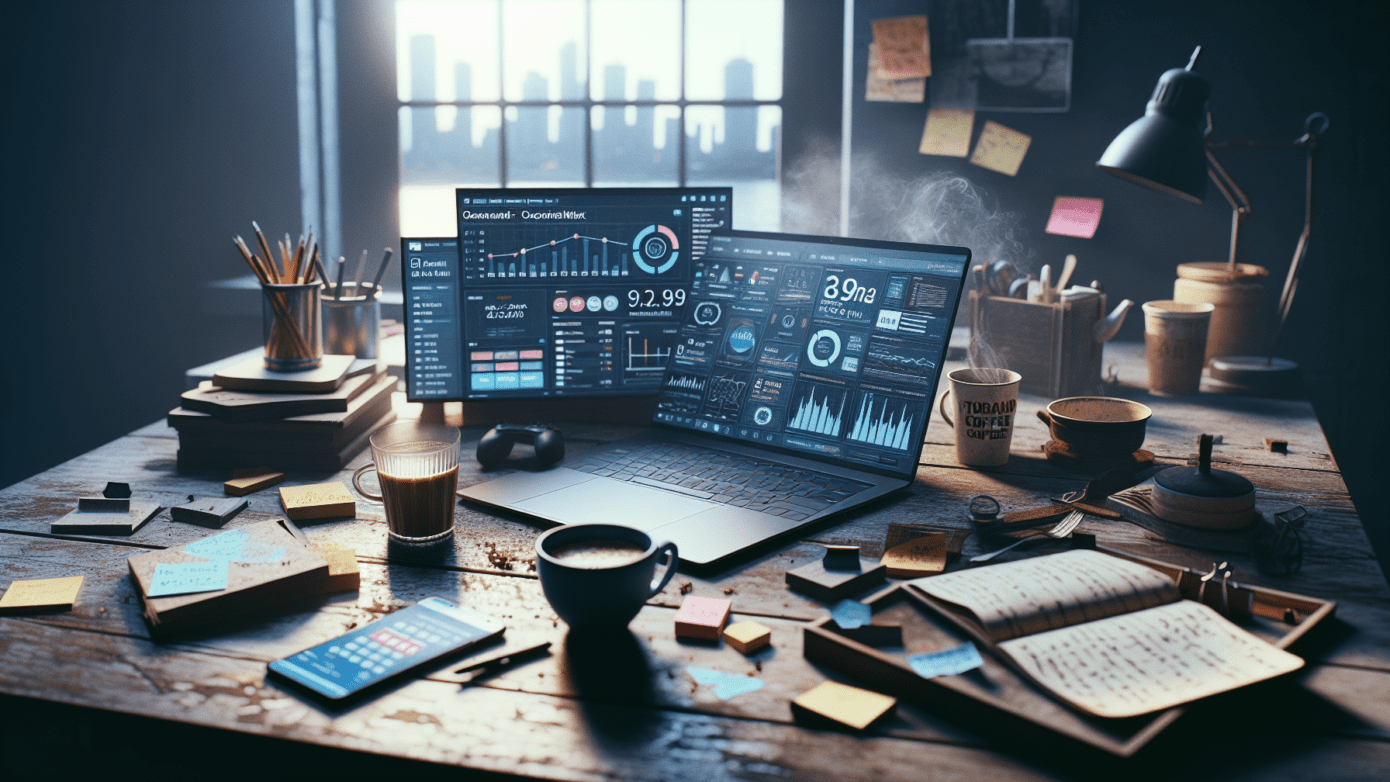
(598, 576)
(1097, 427)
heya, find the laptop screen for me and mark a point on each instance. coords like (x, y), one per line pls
(820, 346)
(555, 292)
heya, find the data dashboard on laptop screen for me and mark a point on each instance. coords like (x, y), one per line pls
(829, 347)
(555, 292)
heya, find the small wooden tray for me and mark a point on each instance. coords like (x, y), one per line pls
(993, 698)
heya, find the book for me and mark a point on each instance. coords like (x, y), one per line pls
(1111, 637)
(231, 405)
(252, 375)
(238, 571)
(333, 428)
(199, 456)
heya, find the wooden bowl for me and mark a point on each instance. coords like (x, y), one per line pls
(1097, 427)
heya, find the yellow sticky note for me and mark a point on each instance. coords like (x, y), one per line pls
(904, 47)
(1000, 149)
(880, 87)
(947, 132)
(317, 501)
(918, 557)
(40, 593)
(845, 704)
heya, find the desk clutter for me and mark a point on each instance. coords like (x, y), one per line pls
(313, 420)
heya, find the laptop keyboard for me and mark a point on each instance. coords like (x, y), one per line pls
(727, 478)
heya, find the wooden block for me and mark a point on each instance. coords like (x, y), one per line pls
(81, 522)
(343, 573)
(844, 705)
(814, 580)
(42, 594)
(922, 556)
(104, 504)
(244, 482)
(702, 617)
(318, 501)
(116, 490)
(841, 558)
(748, 636)
(208, 512)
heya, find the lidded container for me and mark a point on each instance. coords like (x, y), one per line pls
(1203, 497)
(1238, 322)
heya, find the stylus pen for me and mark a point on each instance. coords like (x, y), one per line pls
(494, 664)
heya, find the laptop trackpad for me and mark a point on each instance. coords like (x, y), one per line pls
(606, 501)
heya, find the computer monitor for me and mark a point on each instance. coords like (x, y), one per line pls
(550, 293)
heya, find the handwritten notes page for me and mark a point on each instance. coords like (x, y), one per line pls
(1138, 663)
(1033, 595)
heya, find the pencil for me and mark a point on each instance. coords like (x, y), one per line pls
(357, 278)
(385, 261)
(342, 265)
(265, 248)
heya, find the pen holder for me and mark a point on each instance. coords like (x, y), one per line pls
(352, 321)
(292, 326)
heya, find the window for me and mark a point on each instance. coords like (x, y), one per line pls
(588, 92)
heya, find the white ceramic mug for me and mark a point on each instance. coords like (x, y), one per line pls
(985, 403)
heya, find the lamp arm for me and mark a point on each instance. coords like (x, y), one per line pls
(1239, 201)
(1315, 124)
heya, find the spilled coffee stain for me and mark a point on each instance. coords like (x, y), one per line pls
(416, 717)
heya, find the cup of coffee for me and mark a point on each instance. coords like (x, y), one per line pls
(985, 402)
(598, 576)
(416, 466)
(1175, 343)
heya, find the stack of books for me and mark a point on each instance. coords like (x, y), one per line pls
(316, 421)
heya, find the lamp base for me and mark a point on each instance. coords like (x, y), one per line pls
(1254, 376)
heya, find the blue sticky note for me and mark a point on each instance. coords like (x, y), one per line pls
(947, 662)
(849, 614)
(225, 546)
(185, 578)
(726, 685)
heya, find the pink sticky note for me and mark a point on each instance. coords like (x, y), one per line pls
(702, 617)
(1075, 216)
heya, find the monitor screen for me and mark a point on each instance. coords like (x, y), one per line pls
(825, 347)
(554, 292)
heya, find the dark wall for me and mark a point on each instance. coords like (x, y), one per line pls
(141, 138)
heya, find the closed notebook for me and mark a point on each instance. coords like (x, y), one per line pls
(266, 564)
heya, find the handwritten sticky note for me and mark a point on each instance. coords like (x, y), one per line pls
(947, 132)
(1000, 149)
(317, 501)
(40, 593)
(904, 47)
(182, 578)
(726, 685)
(1077, 217)
(224, 545)
(947, 662)
(879, 87)
(917, 557)
(702, 617)
(850, 614)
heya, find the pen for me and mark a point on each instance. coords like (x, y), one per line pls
(385, 261)
(493, 664)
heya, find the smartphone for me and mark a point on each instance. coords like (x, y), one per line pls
(388, 647)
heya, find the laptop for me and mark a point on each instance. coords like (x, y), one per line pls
(798, 387)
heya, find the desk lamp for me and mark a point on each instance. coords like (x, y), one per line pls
(1169, 150)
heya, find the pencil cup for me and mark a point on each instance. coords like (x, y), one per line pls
(352, 321)
(292, 326)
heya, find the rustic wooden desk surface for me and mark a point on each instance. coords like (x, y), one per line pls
(630, 711)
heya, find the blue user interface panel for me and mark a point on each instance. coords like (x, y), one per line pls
(556, 292)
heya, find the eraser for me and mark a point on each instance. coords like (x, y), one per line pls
(318, 501)
(702, 617)
(748, 636)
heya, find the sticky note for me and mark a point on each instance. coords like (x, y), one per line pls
(726, 685)
(702, 617)
(748, 636)
(917, 557)
(244, 482)
(182, 578)
(879, 87)
(904, 47)
(40, 593)
(317, 501)
(1075, 216)
(235, 546)
(850, 614)
(1000, 149)
(948, 662)
(947, 132)
(844, 704)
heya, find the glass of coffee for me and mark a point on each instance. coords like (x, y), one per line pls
(417, 468)
(598, 576)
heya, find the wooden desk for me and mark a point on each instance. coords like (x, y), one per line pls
(631, 711)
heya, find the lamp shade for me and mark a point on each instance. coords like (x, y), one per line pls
(1164, 150)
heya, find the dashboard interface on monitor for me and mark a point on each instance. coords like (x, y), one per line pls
(555, 292)
(825, 349)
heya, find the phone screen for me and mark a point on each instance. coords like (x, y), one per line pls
(387, 647)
